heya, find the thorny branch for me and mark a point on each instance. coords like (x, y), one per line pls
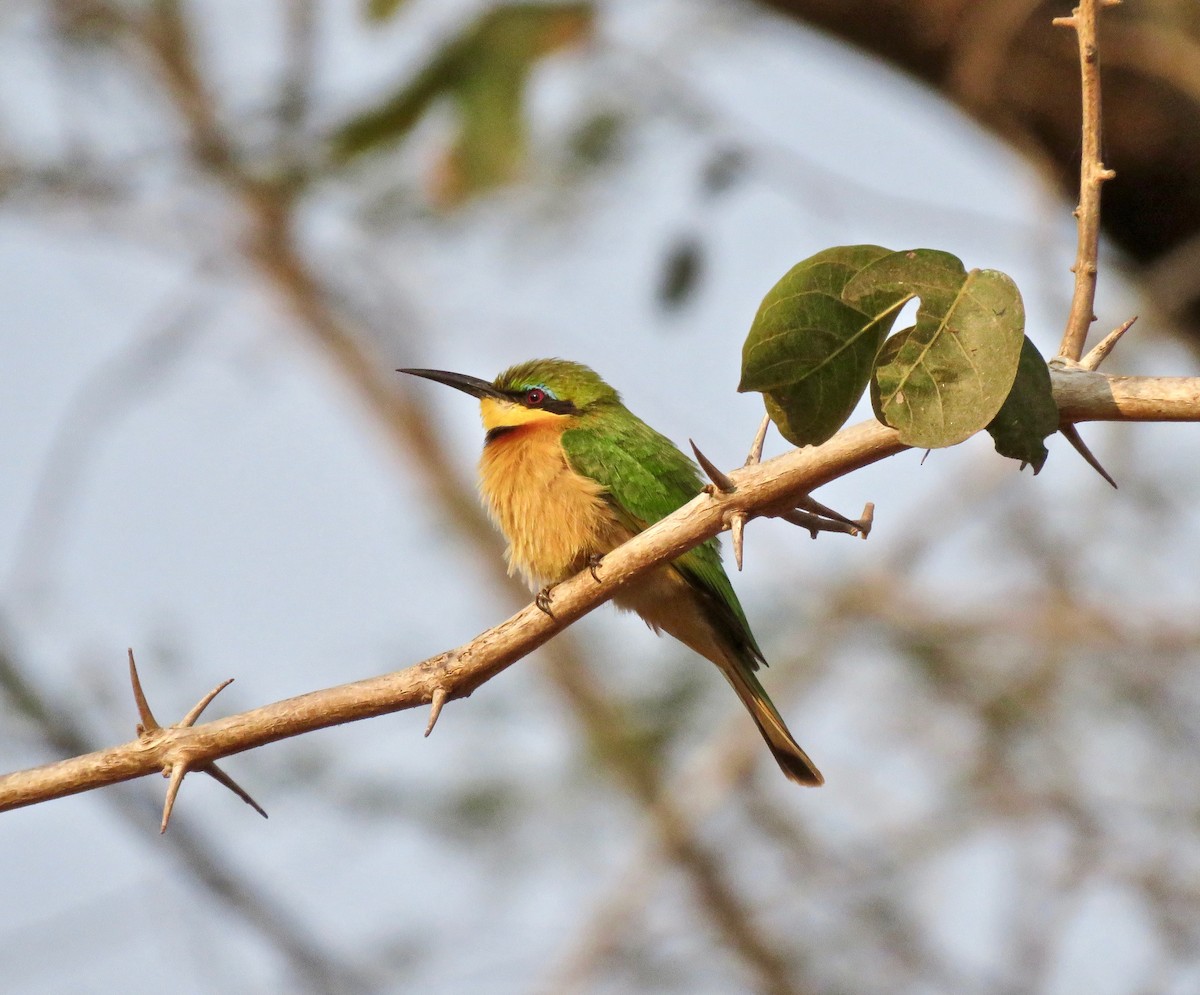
(457, 673)
(312, 964)
(1092, 176)
(148, 729)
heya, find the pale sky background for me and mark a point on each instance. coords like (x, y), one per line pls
(232, 513)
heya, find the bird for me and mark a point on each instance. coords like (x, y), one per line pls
(568, 473)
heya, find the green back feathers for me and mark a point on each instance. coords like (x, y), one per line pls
(647, 478)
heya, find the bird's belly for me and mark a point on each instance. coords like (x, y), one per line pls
(667, 603)
(553, 517)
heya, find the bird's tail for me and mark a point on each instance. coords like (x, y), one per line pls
(709, 624)
(787, 752)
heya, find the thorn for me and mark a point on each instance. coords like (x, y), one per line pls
(218, 775)
(148, 722)
(1100, 353)
(1072, 436)
(719, 479)
(435, 708)
(189, 720)
(756, 448)
(737, 527)
(810, 504)
(1064, 22)
(542, 599)
(178, 770)
(867, 520)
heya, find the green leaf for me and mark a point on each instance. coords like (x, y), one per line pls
(483, 71)
(945, 378)
(393, 118)
(491, 145)
(682, 270)
(809, 352)
(1029, 414)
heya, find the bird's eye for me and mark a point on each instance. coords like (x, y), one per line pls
(534, 396)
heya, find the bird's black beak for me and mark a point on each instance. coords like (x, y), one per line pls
(461, 381)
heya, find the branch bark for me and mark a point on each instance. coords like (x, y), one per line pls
(1084, 396)
(1092, 176)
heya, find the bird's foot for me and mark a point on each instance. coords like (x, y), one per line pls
(542, 599)
(593, 562)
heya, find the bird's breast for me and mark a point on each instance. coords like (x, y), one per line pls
(553, 517)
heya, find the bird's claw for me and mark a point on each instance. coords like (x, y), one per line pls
(542, 600)
(593, 562)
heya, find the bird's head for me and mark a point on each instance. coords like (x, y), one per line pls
(537, 391)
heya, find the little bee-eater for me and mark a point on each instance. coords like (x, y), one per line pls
(569, 473)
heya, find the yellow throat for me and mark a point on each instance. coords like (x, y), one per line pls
(553, 517)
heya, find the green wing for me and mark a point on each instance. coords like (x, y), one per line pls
(647, 478)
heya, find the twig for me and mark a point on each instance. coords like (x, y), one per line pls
(816, 522)
(1092, 175)
(806, 512)
(1082, 395)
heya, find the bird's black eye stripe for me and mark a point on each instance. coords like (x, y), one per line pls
(543, 400)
